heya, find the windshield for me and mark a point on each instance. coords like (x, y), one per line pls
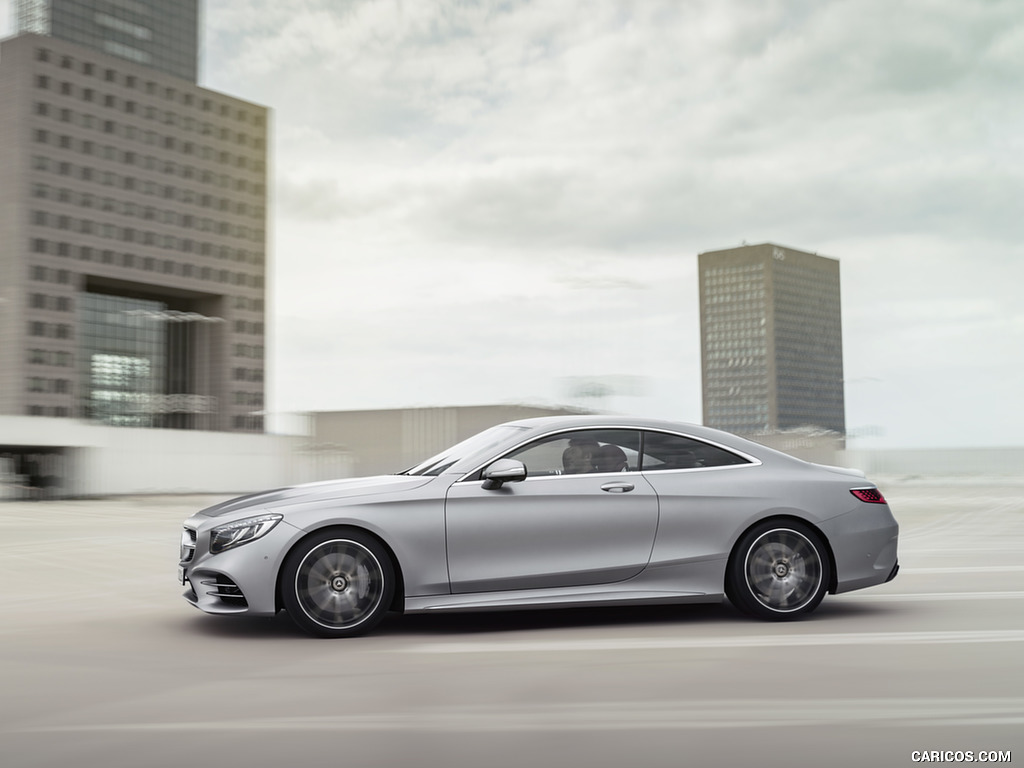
(489, 438)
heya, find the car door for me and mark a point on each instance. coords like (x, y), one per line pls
(576, 520)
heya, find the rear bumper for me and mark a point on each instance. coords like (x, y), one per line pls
(892, 575)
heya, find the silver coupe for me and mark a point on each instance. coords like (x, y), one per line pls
(548, 513)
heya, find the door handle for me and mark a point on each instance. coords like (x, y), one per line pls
(617, 487)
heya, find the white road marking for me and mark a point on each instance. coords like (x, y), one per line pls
(910, 597)
(966, 569)
(740, 641)
(669, 715)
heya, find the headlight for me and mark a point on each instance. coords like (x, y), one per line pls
(241, 532)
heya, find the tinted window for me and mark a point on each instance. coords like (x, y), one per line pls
(664, 451)
(581, 452)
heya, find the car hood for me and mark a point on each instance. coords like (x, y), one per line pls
(329, 489)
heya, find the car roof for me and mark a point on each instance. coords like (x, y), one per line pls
(606, 420)
(545, 423)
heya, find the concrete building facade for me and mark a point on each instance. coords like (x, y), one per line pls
(771, 340)
(133, 209)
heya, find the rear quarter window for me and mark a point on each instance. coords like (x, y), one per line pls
(662, 451)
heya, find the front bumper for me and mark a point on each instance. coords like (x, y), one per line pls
(242, 580)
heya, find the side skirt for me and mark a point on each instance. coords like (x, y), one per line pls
(536, 599)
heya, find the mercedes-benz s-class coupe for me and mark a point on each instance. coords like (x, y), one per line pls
(545, 513)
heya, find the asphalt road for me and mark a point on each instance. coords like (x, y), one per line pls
(104, 664)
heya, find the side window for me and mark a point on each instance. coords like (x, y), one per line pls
(665, 451)
(581, 452)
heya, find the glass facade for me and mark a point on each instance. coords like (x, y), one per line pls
(146, 365)
(125, 356)
(735, 321)
(808, 347)
(161, 34)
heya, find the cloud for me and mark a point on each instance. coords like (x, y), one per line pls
(638, 126)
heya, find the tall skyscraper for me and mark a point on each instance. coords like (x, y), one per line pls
(771, 340)
(161, 34)
(132, 224)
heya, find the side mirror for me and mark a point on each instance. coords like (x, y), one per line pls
(503, 471)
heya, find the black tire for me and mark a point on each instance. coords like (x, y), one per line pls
(337, 583)
(778, 571)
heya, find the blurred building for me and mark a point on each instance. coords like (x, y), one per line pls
(771, 341)
(133, 208)
(380, 442)
(59, 458)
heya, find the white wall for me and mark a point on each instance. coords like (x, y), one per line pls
(105, 460)
(180, 461)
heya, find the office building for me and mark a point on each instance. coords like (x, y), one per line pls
(160, 34)
(133, 208)
(771, 340)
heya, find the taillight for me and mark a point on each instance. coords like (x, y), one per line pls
(870, 495)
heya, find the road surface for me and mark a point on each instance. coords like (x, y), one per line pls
(104, 664)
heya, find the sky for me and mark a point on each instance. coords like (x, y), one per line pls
(478, 202)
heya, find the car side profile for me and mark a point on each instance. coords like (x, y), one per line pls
(547, 513)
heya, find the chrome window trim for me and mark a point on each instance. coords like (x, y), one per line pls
(751, 460)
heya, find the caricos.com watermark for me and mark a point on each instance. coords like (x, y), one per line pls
(960, 756)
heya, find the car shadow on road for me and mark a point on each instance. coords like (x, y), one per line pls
(496, 622)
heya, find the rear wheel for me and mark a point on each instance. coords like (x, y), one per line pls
(338, 583)
(779, 571)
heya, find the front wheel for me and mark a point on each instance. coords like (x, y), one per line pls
(337, 583)
(779, 571)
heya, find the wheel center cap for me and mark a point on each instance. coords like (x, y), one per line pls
(339, 583)
(781, 570)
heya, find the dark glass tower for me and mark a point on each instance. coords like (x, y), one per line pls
(159, 34)
(771, 340)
